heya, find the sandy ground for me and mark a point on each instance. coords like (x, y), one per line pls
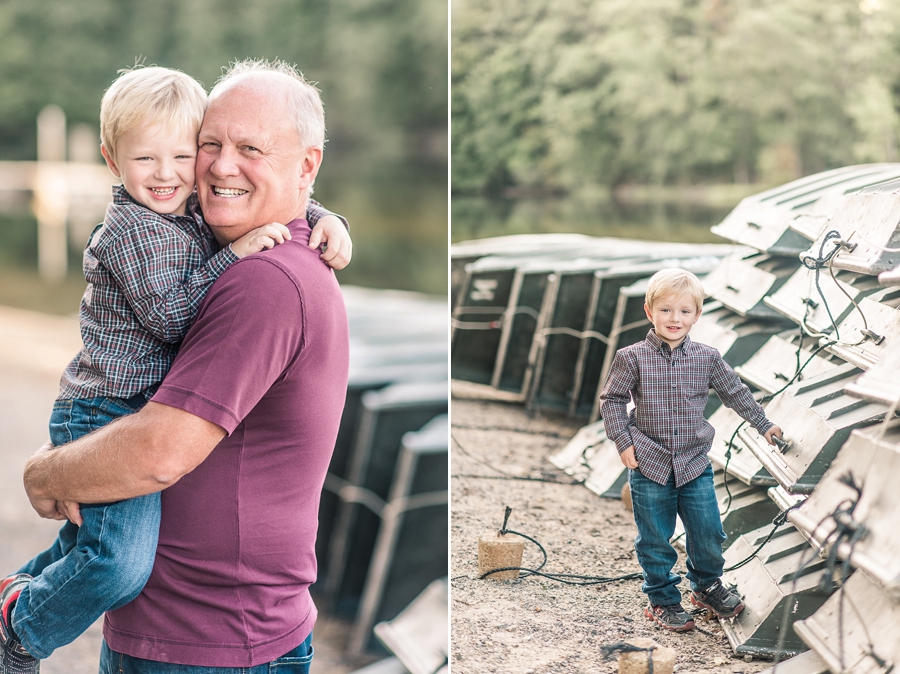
(34, 349)
(535, 625)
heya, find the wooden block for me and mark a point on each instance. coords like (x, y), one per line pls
(497, 551)
(637, 662)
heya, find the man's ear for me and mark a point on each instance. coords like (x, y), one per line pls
(110, 162)
(309, 166)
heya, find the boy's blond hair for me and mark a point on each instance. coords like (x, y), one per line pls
(143, 97)
(674, 282)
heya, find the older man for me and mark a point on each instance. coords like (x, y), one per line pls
(241, 431)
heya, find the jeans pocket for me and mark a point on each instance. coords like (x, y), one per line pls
(292, 664)
(60, 423)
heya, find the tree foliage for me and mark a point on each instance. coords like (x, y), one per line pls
(572, 93)
(381, 64)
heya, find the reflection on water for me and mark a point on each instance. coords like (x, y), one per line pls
(399, 235)
(476, 218)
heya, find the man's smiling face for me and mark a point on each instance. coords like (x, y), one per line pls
(251, 168)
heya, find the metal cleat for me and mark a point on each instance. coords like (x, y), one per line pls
(865, 343)
(869, 241)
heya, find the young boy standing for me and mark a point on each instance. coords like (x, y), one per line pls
(665, 441)
(148, 267)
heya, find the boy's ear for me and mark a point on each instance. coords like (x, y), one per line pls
(647, 311)
(110, 162)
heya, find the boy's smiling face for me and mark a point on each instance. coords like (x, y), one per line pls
(156, 165)
(673, 316)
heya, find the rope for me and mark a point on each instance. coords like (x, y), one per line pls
(779, 520)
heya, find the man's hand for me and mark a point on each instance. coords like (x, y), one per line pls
(628, 458)
(267, 236)
(338, 246)
(775, 431)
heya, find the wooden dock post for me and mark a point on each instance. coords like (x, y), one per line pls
(51, 194)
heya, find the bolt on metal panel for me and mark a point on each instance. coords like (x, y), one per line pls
(762, 220)
(776, 363)
(800, 300)
(856, 629)
(767, 583)
(866, 341)
(872, 459)
(881, 382)
(741, 282)
(743, 463)
(816, 417)
(867, 222)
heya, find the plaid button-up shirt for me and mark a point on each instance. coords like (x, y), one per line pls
(147, 274)
(670, 389)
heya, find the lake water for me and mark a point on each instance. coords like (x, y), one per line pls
(398, 224)
(476, 218)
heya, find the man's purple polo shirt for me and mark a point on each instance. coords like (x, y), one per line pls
(266, 360)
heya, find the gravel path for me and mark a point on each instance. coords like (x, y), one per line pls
(535, 625)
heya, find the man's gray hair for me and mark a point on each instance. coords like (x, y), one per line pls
(303, 99)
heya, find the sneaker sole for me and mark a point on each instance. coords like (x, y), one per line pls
(687, 627)
(698, 602)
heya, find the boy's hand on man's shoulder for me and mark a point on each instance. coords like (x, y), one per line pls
(774, 432)
(628, 458)
(267, 236)
(338, 246)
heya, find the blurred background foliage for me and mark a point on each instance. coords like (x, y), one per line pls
(381, 66)
(579, 97)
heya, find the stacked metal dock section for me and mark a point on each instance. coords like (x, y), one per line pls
(816, 288)
(383, 515)
(540, 317)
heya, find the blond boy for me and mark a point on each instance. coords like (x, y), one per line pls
(148, 268)
(664, 443)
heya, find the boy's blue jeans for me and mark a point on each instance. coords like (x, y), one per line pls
(91, 569)
(296, 661)
(655, 507)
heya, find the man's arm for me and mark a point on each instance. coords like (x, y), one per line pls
(136, 455)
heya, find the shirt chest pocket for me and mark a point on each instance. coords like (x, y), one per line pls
(693, 385)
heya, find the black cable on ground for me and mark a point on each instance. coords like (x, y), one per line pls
(503, 474)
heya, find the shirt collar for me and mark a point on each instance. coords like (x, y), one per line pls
(657, 343)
